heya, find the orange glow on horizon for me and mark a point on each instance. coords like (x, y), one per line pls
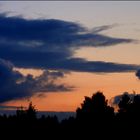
(85, 85)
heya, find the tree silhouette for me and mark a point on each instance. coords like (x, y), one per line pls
(27, 114)
(136, 103)
(94, 118)
(124, 104)
(129, 106)
(95, 109)
(21, 113)
(31, 112)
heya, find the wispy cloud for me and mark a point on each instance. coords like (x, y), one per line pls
(103, 28)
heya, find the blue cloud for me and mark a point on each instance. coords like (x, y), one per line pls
(54, 32)
(50, 44)
(13, 85)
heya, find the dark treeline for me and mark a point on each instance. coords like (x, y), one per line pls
(94, 119)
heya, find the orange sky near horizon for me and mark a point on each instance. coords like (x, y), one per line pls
(85, 85)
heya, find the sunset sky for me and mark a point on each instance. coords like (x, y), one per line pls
(54, 53)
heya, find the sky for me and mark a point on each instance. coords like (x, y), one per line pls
(54, 53)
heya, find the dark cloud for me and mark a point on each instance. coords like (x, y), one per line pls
(57, 60)
(138, 74)
(53, 32)
(13, 85)
(50, 44)
(77, 64)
